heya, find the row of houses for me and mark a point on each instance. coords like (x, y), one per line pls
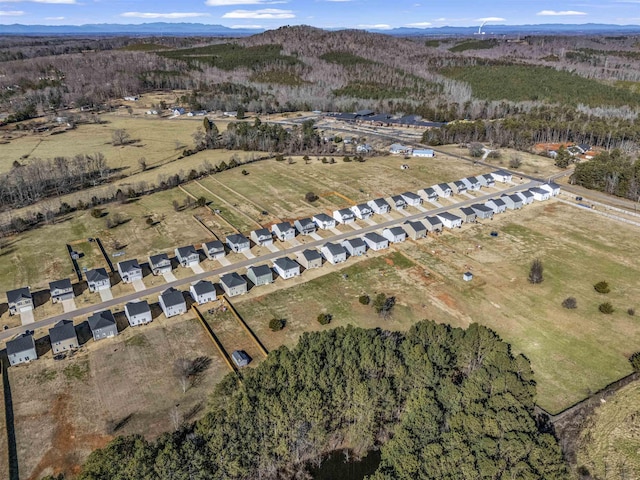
(399, 149)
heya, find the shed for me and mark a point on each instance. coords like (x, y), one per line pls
(260, 275)
(233, 284)
(103, 325)
(21, 349)
(203, 292)
(241, 358)
(467, 276)
(172, 302)
(310, 258)
(63, 337)
(138, 313)
(394, 234)
(355, 246)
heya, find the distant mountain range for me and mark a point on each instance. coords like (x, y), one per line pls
(187, 29)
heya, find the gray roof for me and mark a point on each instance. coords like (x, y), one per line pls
(97, 275)
(187, 251)
(20, 344)
(538, 190)
(240, 357)
(306, 222)
(260, 270)
(101, 320)
(417, 226)
(444, 186)
(472, 180)
(63, 330)
(398, 198)
(481, 207)
(502, 173)
(213, 245)
(137, 308)
(323, 217)
(375, 237)
(260, 232)
(429, 191)
(129, 265)
(488, 177)
(433, 221)
(355, 242)
(232, 279)
(380, 202)
(285, 263)
(237, 238)
(160, 257)
(172, 297)
(397, 231)
(459, 183)
(311, 254)
(18, 294)
(411, 195)
(499, 202)
(515, 197)
(283, 227)
(345, 212)
(363, 207)
(553, 184)
(526, 193)
(449, 216)
(203, 287)
(334, 248)
(63, 284)
(467, 210)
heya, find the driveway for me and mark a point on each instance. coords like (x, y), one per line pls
(138, 285)
(197, 269)
(169, 277)
(106, 295)
(69, 305)
(273, 248)
(26, 317)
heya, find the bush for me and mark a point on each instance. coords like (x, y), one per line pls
(635, 361)
(631, 312)
(96, 212)
(324, 318)
(535, 272)
(277, 324)
(364, 299)
(346, 159)
(310, 197)
(606, 308)
(515, 161)
(570, 302)
(602, 287)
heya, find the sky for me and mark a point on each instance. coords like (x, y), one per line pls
(366, 14)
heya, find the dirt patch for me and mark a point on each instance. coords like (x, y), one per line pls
(448, 300)
(389, 262)
(550, 208)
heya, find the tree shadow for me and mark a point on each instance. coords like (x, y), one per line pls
(41, 297)
(121, 321)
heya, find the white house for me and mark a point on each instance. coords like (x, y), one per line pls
(526, 196)
(364, 148)
(411, 198)
(129, 271)
(429, 194)
(375, 241)
(399, 149)
(394, 234)
(284, 231)
(344, 216)
(21, 349)
(138, 313)
(399, 203)
(433, 224)
(203, 292)
(286, 268)
(486, 180)
(187, 256)
(425, 153)
(355, 246)
(160, 264)
(513, 202)
(362, 211)
(172, 302)
(551, 187)
(539, 194)
(472, 183)
(333, 253)
(459, 186)
(501, 176)
(450, 220)
(379, 206)
(443, 190)
(214, 249)
(305, 226)
(238, 243)
(482, 211)
(98, 279)
(324, 221)
(497, 205)
(262, 237)
(233, 284)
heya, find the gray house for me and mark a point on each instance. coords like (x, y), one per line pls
(214, 249)
(468, 214)
(362, 211)
(203, 292)
(497, 205)
(233, 284)
(160, 264)
(486, 180)
(260, 275)
(138, 313)
(459, 186)
(284, 231)
(355, 246)
(443, 190)
(334, 253)
(450, 220)
(20, 300)
(103, 325)
(172, 302)
(472, 183)
(98, 279)
(61, 290)
(129, 271)
(379, 206)
(482, 211)
(238, 243)
(412, 199)
(344, 215)
(394, 234)
(305, 226)
(415, 230)
(324, 221)
(375, 241)
(286, 268)
(63, 337)
(399, 203)
(433, 224)
(262, 237)
(430, 194)
(187, 256)
(311, 258)
(21, 350)
(513, 202)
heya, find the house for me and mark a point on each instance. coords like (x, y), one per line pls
(172, 302)
(305, 226)
(583, 147)
(177, 111)
(61, 290)
(334, 253)
(187, 256)
(98, 279)
(20, 300)
(433, 224)
(443, 190)
(103, 325)
(21, 349)
(430, 194)
(324, 221)
(450, 220)
(203, 292)
(284, 231)
(486, 180)
(501, 176)
(472, 183)
(364, 148)
(262, 237)
(379, 206)
(497, 205)
(240, 358)
(160, 264)
(375, 241)
(129, 271)
(424, 153)
(399, 149)
(344, 216)
(467, 276)
(415, 230)
(233, 284)
(539, 194)
(394, 234)
(399, 203)
(63, 337)
(355, 246)
(286, 268)
(482, 211)
(238, 243)
(513, 202)
(260, 275)
(459, 186)
(311, 258)
(138, 313)
(411, 198)
(362, 211)
(467, 214)
(214, 250)
(526, 196)
(551, 187)
(133, 98)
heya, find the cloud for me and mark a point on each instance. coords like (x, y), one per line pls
(227, 3)
(11, 13)
(491, 19)
(172, 15)
(265, 13)
(419, 24)
(248, 27)
(377, 26)
(55, 2)
(54, 18)
(338, 1)
(560, 13)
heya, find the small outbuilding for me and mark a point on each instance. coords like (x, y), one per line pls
(467, 276)
(240, 358)
(138, 313)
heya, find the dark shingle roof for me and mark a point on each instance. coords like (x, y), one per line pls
(232, 279)
(155, 259)
(355, 242)
(20, 344)
(323, 217)
(97, 275)
(18, 294)
(311, 255)
(63, 284)
(375, 237)
(203, 287)
(397, 231)
(237, 238)
(101, 320)
(433, 221)
(129, 265)
(417, 226)
(283, 227)
(285, 263)
(172, 297)
(411, 195)
(381, 202)
(187, 251)
(467, 210)
(261, 270)
(449, 216)
(137, 308)
(63, 330)
(215, 245)
(334, 248)
(482, 208)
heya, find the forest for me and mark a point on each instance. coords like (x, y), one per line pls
(611, 172)
(439, 402)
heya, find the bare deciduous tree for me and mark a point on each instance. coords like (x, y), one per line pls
(535, 272)
(120, 137)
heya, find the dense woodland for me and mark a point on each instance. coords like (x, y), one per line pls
(440, 402)
(611, 172)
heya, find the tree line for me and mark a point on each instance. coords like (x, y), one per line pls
(611, 172)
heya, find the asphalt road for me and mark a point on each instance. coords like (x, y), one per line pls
(7, 334)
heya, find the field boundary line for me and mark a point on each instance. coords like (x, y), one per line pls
(253, 220)
(10, 432)
(230, 206)
(201, 223)
(244, 325)
(105, 255)
(215, 340)
(233, 227)
(598, 212)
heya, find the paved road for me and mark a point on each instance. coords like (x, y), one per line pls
(6, 334)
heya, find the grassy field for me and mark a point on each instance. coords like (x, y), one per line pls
(65, 409)
(611, 440)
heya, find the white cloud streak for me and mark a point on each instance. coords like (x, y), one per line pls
(11, 13)
(265, 13)
(227, 3)
(559, 13)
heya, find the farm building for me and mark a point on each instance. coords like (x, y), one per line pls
(305, 226)
(379, 206)
(233, 284)
(344, 216)
(187, 256)
(63, 337)
(203, 292)
(482, 211)
(443, 190)
(450, 220)
(324, 221)
(160, 264)
(262, 237)
(334, 253)
(355, 246)
(260, 275)
(286, 268)
(513, 202)
(138, 313)
(61, 290)
(394, 234)
(433, 224)
(238, 243)
(21, 349)
(375, 241)
(398, 202)
(501, 176)
(415, 230)
(497, 205)
(172, 302)
(429, 194)
(411, 198)
(103, 325)
(311, 258)
(129, 270)
(98, 279)
(362, 211)
(284, 231)
(424, 153)
(214, 249)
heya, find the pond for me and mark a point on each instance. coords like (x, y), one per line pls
(337, 466)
